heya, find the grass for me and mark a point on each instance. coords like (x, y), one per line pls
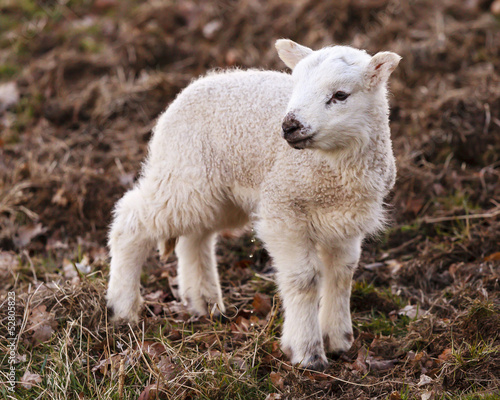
(7, 71)
(206, 359)
(27, 110)
(470, 396)
(470, 355)
(378, 323)
(66, 367)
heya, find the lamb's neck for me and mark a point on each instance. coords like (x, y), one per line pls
(361, 155)
(367, 169)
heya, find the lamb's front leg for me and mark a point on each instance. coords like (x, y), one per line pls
(335, 314)
(298, 273)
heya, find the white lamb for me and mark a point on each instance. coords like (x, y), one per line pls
(312, 183)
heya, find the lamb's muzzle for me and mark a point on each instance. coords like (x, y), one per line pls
(295, 133)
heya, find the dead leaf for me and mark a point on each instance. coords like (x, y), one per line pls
(445, 355)
(393, 266)
(20, 358)
(276, 350)
(360, 363)
(103, 5)
(395, 396)
(8, 262)
(239, 328)
(127, 180)
(149, 393)
(261, 304)
(427, 395)
(42, 323)
(273, 396)
(493, 257)
(239, 363)
(154, 296)
(366, 361)
(175, 334)
(178, 309)
(42, 334)
(153, 349)
(317, 376)
(9, 95)
(155, 301)
(113, 361)
(414, 205)
(84, 265)
(69, 270)
(210, 29)
(167, 368)
(277, 380)
(29, 379)
(424, 380)
(495, 8)
(26, 233)
(380, 365)
(439, 189)
(412, 311)
(59, 198)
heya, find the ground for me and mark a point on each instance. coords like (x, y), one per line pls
(81, 84)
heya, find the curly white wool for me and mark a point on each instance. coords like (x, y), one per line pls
(218, 159)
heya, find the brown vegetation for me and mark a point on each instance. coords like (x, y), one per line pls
(81, 83)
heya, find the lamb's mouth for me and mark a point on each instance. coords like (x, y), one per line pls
(300, 143)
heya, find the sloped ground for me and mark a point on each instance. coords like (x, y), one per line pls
(81, 85)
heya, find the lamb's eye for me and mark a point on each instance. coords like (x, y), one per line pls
(340, 96)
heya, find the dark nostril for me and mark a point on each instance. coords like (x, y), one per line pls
(290, 127)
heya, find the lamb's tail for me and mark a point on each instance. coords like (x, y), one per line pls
(166, 247)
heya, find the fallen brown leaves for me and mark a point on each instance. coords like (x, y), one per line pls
(29, 379)
(261, 304)
(366, 361)
(26, 233)
(41, 324)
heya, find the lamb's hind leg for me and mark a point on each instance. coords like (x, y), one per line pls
(130, 242)
(335, 314)
(199, 284)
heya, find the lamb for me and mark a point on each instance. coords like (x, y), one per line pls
(306, 157)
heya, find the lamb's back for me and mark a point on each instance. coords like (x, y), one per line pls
(225, 125)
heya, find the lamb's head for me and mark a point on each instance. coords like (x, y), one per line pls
(338, 92)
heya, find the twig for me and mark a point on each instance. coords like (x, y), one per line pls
(491, 214)
(403, 246)
(121, 378)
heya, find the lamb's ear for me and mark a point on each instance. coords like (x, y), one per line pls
(290, 52)
(380, 68)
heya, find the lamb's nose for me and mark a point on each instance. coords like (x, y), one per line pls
(290, 126)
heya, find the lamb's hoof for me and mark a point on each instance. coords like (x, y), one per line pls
(117, 320)
(315, 362)
(202, 307)
(336, 346)
(124, 312)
